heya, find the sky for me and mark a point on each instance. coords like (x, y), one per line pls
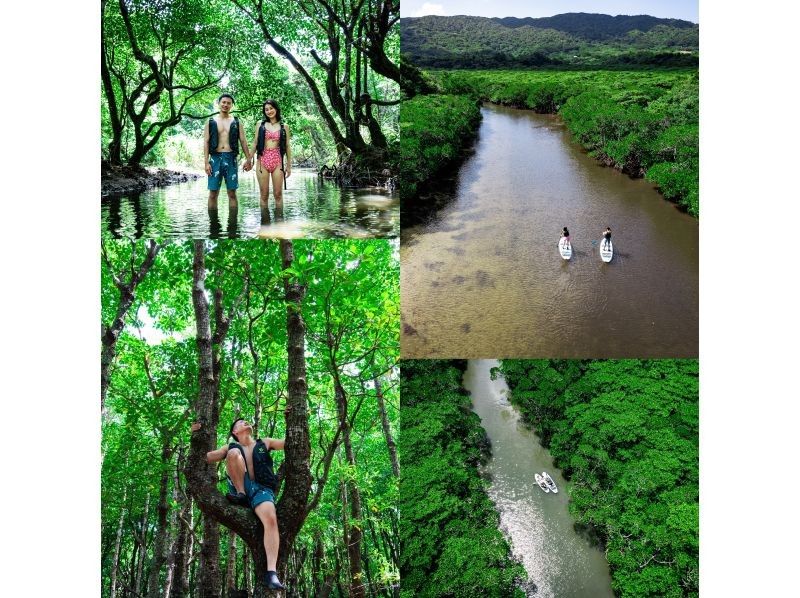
(673, 9)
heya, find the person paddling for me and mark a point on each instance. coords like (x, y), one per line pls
(252, 483)
(565, 238)
(607, 237)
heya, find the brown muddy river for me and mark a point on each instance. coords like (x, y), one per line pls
(484, 278)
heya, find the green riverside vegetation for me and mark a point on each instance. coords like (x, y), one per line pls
(435, 129)
(450, 541)
(625, 432)
(565, 40)
(644, 123)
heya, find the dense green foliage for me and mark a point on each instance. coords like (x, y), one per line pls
(353, 290)
(164, 63)
(626, 434)
(448, 530)
(642, 122)
(435, 129)
(575, 39)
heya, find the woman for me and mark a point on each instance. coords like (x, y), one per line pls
(565, 237)
(272, 144)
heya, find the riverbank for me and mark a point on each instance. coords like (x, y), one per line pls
(542, 532)
(625, 433)
(449, 529)
(642, 123)
(435, 131)
(124, 180)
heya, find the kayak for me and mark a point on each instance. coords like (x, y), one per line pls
(549, 481)
(606, 253)
(564, 249)
(542, 484)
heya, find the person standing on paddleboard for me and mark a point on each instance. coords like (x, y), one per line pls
(565, 236)
(607, 237)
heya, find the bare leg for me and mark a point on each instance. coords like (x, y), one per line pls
(234, 464)
(233, 203)
(212, 199)
(263, 184)
(266, 513)
(277, 188)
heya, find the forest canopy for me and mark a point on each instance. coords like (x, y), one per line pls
(625, 433)
(451, 544)
(332, 66)
(338, 303)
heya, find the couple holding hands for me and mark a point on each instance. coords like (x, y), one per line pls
(223, 135)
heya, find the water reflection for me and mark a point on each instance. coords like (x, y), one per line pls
(310, 207)
(483, 277)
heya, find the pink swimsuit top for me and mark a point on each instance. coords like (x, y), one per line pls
(276, 135)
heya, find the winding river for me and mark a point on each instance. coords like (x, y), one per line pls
(312, 208)
(560, 562)
(483, 277)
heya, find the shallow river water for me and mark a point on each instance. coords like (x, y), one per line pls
(484, 278)
(312, 208)
(561, 563)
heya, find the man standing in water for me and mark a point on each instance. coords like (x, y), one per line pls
(222, 136)
(253, 484)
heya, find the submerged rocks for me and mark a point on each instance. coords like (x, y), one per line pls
(120, 180)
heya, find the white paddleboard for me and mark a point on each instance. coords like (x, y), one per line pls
(606, 253)
(542, 484)
(564, 249)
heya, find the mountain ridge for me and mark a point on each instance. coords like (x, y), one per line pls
(569, 38)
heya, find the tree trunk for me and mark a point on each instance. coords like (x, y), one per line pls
(160, 544)
(178, 548)
(210, 585)
(115, 145)
(111, 333)
(184, 588)
(353, 532)
(387, 431)
(115, 567)
(200, 476)
(137, 586)
(230, 569)
(292, 507)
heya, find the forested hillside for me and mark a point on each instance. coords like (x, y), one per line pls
(573, 39)
(299, 338)
(625, 432)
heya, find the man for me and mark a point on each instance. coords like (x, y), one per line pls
(222, 137)
(607, 237)
(252, 477)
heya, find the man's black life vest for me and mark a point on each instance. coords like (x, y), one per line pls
(233, 136)
(262, 464)
(260, 143)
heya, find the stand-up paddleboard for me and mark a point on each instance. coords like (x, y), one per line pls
(542, 484)
(564, 249)
(551, 485)
(606, 253)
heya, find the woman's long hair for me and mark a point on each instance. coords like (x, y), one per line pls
(274, 104)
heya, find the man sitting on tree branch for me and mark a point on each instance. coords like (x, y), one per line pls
(252, 483)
